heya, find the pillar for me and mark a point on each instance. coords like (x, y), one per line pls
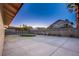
(1, 31)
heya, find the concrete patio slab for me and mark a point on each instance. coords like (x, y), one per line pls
(72, 44)
(40, 49)
(65, 52)
(37, 49)
(52, 40)
(40, 45)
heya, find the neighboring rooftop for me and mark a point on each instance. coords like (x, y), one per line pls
(61, 24)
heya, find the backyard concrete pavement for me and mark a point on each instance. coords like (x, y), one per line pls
(40, 45)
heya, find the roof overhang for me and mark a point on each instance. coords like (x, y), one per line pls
(9, 12)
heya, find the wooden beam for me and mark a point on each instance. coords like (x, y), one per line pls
(16, 5)
(9, 16)
(10, 8)
(7, 12)
(8, 20)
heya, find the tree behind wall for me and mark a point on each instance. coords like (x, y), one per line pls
(75, 7)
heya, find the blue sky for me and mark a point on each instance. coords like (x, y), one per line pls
(42, 14)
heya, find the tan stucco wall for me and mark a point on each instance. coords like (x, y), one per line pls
(1, 32)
